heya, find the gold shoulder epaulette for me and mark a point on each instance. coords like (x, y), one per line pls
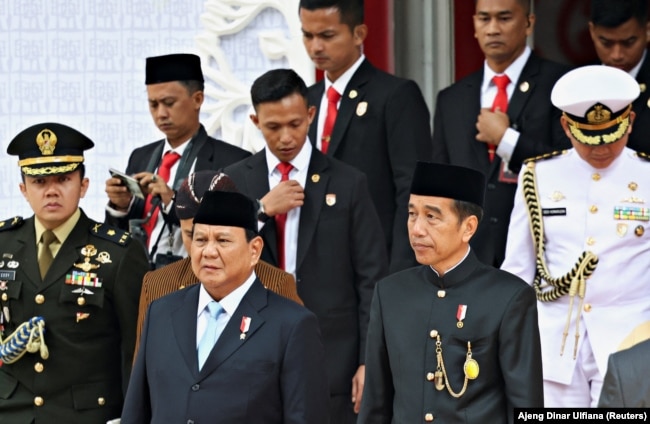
(544, 156)
(643, 155)
(110, 233)
(11, 223)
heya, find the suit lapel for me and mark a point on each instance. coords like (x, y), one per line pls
(26, 249)
(257, 185)
(471, 95)
(315, 188)
(524, 88)
(230, 339)
(184, 328)
(348, 105)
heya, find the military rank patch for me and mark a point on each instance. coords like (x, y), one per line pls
(11, 223)
(643, 155)
(545, 156)
(113, 234)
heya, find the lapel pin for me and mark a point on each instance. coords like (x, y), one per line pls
(330, 199)
(315, 178)
(621, 229)
(460, 315)
(642, 87)
(633, 186)
(524, 86)
(13, 264)
(362, 108)
(82, 316)
(244, 326)
(353, 94)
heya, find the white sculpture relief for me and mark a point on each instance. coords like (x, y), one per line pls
(268, 33)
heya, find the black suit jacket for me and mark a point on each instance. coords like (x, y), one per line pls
(214, 155)
(382, 128)
(531, 113)
(273, 375)
(640, 138)
(85, 377)
(500, 323)
(626, 383)
(341, 255)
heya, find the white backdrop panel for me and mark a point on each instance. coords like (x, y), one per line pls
(81, 63)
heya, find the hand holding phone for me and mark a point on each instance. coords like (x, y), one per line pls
(131, 183)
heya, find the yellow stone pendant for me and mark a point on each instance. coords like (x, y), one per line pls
(471, 369)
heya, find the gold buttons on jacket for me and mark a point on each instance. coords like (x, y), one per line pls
(101, 401)
(428, 417)
(442, 293)
(433, 334)
(593, 209)
(587, 307)
(595, 176)
(430, 376)
(39, 367)
(39, 299)
(5, 297)
(38, 401)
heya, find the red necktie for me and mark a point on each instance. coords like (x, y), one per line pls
(168, 160)
(281, 218)
(500, 102)
(333, 98)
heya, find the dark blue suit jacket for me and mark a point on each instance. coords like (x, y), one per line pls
(275, 375)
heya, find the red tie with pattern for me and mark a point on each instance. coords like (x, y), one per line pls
(168, 160)
(500, 102)
(281, 218)
(333, 98)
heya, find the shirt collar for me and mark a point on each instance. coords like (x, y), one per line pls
(635, 71)
(455, 266)
(342, 82)
(180, 149)
(62, 231)
(230, 302)
(300, 162)
(513, 71)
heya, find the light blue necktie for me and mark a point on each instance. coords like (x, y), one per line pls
(211, 333)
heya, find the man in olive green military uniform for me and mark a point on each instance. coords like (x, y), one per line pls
(81, 277)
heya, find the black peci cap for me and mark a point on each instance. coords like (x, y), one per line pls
(173, 67)
(450, 181)
(229, 209)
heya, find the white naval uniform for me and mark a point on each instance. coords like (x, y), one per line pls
(618, 292)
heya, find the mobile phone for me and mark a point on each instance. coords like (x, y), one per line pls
(131, 183)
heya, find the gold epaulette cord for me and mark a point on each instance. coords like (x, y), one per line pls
(572, 283)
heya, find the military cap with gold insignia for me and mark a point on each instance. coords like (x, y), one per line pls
(49, 149)
(173, 67)
(596, 101)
